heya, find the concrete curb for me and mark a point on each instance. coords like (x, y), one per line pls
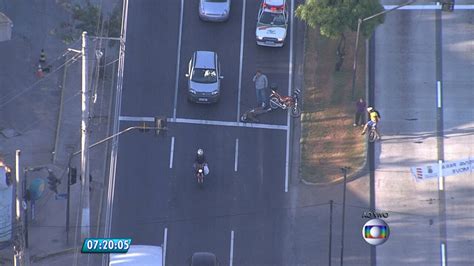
(38, 258)
(359, 173)
(298, 81)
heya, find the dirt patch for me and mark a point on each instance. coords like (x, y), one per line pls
(328, 140)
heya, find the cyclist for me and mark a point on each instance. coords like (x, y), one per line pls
(374, 118)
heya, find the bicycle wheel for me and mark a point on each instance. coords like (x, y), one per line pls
(372, 135)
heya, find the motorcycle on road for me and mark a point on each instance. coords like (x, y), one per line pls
(286, 102)
(201, 171)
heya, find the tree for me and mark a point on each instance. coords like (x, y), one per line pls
(334, 17)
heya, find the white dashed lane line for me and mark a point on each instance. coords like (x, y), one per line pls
(236, 162)
(172, 152)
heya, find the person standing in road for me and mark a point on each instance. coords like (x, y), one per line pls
(261, 83)
(360, 110)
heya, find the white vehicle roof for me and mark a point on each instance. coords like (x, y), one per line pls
(274, 2)
(138, 255)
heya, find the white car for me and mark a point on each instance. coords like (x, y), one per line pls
(272, 23)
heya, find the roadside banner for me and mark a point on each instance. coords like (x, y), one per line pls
(451, 168)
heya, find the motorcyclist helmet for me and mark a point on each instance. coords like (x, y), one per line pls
(200, 152)
(370, 109)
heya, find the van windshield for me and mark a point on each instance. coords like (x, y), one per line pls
(202, 75)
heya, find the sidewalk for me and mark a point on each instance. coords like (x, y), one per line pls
(46, 119)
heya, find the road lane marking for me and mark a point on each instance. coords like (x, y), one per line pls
(290, 79)
(205, 122)
(242, 31)
(231, 259)
(171, 152)
(438, 85)
(443, 254)
(428, 7)
(178, 59)
(236, 154)
(165, 242)
(440, 175)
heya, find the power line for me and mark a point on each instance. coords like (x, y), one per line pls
(35, 83)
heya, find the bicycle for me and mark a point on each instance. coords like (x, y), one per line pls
(373, 134)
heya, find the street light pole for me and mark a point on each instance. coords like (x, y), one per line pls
(344, 170)
(356, 49)
(330, 231)
(85, 221)
(18, 258)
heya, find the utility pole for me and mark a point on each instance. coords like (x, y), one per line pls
(330, 231)
(19, 246)
(344, 170)
(356, 49)
(85, 221)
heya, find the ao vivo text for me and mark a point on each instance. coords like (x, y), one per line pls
(374, 215)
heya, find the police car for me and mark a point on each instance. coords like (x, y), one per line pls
(272, 23)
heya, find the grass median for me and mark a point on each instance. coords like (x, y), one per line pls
(328, 139)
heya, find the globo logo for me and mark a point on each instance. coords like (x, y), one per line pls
(375, 232)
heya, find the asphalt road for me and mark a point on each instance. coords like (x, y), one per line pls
(149, 194)
(426, 217)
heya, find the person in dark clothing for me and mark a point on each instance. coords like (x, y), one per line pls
(200, 157)
(201, 162)
(360, 112)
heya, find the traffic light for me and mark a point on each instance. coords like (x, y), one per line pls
(53, 182)
(160, 124)
(447, 5)
(72, 175)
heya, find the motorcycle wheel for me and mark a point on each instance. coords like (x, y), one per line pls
(295, 111)
(274, 103)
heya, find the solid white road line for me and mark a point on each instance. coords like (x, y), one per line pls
(171, 152)
(116, 126)
(242, 31)
(178, 59)
(231, 259)
(440, 175)
(443, 254)
(428, 7)
(165, 242)
(290, 82)
(236, 154)
(438, 85)
(205, 122)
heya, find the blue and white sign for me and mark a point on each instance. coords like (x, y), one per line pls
(447, 169)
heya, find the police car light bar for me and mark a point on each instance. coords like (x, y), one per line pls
(274, 5)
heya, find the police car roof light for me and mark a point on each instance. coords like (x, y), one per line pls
(274, 5)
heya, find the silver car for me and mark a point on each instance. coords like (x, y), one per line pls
(214, 10)
(204, 77)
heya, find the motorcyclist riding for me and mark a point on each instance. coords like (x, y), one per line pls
(374, 118)
(201, 162)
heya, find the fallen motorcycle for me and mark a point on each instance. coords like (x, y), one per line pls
(285, 102)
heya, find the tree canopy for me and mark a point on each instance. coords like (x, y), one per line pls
(334, 17)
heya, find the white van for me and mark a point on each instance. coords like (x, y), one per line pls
(138, 255)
